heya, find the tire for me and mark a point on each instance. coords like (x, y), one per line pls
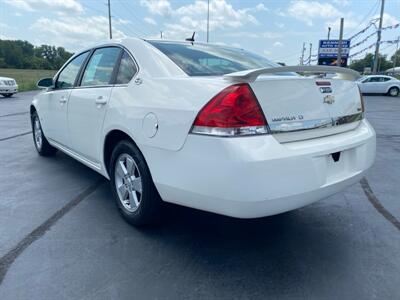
(7, 95)
(132, 186)
(393, 91)
(41, 144)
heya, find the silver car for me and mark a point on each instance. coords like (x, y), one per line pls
(379, 84)
(8, 86)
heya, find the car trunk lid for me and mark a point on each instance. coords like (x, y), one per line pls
(299, 108)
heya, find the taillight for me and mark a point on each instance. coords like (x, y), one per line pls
(235, 111)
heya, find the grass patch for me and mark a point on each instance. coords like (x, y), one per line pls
(26, 78)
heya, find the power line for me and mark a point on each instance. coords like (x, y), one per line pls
(372, 11)
(131, 13)
(95, 9)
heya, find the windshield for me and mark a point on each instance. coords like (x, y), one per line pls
(211, 60)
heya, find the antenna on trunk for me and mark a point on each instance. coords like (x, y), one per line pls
(191, 39)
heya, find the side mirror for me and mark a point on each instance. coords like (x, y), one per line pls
(45, 83)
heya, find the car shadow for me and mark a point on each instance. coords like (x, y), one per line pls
(276, 254)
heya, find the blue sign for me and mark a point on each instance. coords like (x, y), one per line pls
(330, 48)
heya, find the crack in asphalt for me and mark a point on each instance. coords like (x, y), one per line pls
(377, 204)
(14, 136)
(15, 114)
(8, 259)
(388, 136)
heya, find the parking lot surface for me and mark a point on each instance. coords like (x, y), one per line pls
(61, 236)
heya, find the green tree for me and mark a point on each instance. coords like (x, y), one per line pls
(397, 56)
(368, 62)
(23, 55)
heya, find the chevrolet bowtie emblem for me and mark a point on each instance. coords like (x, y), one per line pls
(329, 99)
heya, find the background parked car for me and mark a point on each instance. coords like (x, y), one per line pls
(8, 86)
(379, 84)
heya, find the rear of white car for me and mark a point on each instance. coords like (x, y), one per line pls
(267, 144)
(262, 172)
(8, 86)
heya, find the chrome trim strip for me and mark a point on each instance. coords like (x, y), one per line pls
(284, 127)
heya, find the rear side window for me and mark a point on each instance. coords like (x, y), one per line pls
(100, 68)
(127, 69)
(211, 60)
(67, 77)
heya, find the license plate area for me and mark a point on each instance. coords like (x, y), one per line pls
(339, 165)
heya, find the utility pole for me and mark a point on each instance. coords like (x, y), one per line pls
(109, 19)
(302, 54)
(208, 19)
(395, 54)
(329, 32)
(339, 55)
(378, 40)
(309, 57)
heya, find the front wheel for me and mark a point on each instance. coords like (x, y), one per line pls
(6, 95)
(393, 91)
(132, 186)
(41, 144)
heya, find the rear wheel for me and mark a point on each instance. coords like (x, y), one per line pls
(393, 91)
(42, 145)
(132, 186)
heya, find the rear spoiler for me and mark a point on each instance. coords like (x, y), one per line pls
(251, 75)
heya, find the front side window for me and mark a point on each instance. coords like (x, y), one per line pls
(100, 68)
(127, 69)
(67, 77)
(211, 60)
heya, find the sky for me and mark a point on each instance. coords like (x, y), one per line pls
(275, 28)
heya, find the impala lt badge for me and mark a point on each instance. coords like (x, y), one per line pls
(329, 99)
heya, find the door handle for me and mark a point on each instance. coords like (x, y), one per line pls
(101, 101)
(63, 99)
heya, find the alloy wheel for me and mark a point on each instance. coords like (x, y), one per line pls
(37, 131)
(128, 182)
(394, 92)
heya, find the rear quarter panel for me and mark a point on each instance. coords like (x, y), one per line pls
(174, 101)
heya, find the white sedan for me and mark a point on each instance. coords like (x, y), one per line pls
(8, 87)
(379, 84)
(205, 126)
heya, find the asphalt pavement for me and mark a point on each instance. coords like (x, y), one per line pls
(61, 236)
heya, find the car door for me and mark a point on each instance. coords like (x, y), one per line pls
(88, 102)
(56, 100)
(378, 84)
(369, 85)
(385, 82)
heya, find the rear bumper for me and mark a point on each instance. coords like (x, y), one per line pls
(252, 177)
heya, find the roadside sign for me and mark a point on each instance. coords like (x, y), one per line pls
(328, 52)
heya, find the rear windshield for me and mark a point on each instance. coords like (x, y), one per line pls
(211, 60)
